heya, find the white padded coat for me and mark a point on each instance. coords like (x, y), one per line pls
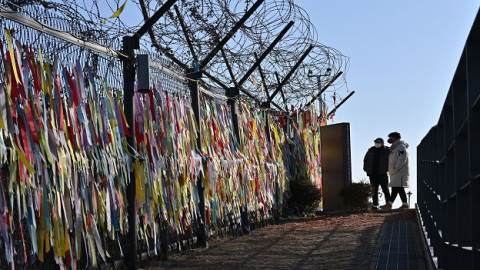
(398, 167)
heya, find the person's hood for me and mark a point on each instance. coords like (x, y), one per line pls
(400, 142)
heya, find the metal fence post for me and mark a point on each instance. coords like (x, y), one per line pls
(193, 77)
(129, 45)
(232, 93)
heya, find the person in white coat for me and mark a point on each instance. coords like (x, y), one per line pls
(398, 169)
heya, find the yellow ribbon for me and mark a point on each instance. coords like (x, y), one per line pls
(119, 10)
(12, 57)
(23, 159)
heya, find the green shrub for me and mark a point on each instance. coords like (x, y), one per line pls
(355, 196)
(306, 195)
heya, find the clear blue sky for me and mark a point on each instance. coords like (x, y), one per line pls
(403, 55)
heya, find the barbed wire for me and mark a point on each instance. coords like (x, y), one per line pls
(207, 21)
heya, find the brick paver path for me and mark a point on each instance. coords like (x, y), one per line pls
(399, 247)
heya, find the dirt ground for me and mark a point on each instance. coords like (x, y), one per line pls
(339, 241)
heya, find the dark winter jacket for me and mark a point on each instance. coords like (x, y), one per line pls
(379, 156)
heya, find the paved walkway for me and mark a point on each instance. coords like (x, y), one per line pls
(341, 241)
(399, 247)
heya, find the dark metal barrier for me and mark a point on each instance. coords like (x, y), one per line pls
(449, 168)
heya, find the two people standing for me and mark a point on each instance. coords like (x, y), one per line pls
(394, 159)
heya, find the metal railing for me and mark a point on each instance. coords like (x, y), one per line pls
(449, 168)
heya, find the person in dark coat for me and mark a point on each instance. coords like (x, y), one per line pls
(375, 164)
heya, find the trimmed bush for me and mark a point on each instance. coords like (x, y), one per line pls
(306, 195)
(355, 196)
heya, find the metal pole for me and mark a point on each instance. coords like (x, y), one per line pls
(229, 68)
(155, 44)
(266, 105)
(340, 104)
(185, 32)
(237, 26)
(279, 87)
(320, 100)
(215, 80)
(265, 53)
(128, 94)
(194, 77)
(281, 92)
(324, 88)
(143, 7)
(130, 43)
(232, 93)
(264, 83)
(262, 76)
(155, 17)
